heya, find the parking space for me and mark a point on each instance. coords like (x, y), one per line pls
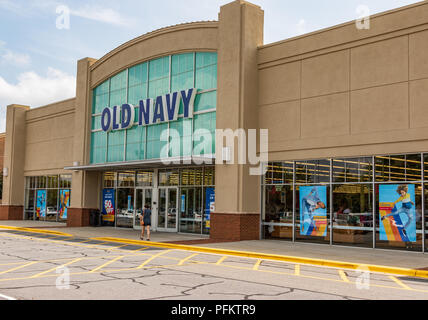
(34, 266)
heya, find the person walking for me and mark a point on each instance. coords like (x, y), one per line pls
(146, 221)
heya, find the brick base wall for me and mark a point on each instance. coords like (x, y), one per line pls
(77, 217)
(11, 213)
(235, 227)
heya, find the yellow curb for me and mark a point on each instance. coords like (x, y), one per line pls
(291, 259)
(54, 233)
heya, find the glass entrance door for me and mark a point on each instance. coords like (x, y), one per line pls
(168, 209)
(143, 197)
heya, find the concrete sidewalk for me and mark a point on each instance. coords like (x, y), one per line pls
(389, 258)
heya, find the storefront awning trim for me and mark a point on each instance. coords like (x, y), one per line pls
(146, 164)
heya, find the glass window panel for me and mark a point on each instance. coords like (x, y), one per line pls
(398, 217)
(138, 75)
(116, 146)
(65, 181)
(426, 168)
(100, 97)
(204, 133)
(100, 102)
(366, 169)
(413, 167)
(206, 78)
(29, 205)
(352, 170)
(169, 178)
(206, 101)
(144, 179)
(353, 215)
(109, 180)
(398, 168)
(126, 179)
(209, 176)
(41, 182)
(135, 143)
(154, 145)
(52, 205)
(314, 226)
(181, 138)
(182, 72)
(382, 169)
(339, 170)
(159, 77)
(98, 147)
(52, 182)
(269, 173)
(204, 59)
(301, 172)
(125, 207)
(278, 210)
(191, 210)
(96, 123)
(318, 171)
(426, 216)
(206, 70)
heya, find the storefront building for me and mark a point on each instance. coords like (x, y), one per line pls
(345, 109)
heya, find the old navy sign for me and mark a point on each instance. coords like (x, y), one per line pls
(151, 111)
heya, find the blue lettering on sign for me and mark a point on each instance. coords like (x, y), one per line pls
(116, 112)
(159, 114)
(151, 111)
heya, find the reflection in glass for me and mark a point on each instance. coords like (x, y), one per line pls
(162, 209)
(29, 205)
(353, 214)
(125, 207)
(52, 205)
(172, 208)
(191, 212)
(278, 210)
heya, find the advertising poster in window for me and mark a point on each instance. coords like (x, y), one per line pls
(397, 213)
(41, 204)
(313, 211)
(209, 206)
(108, 205)
(64, 203)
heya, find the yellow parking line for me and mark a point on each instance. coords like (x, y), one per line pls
(219, 262)
(107, 263)
(152, 258)
(257, 265)
(187, 259)
(53, 269)
(20, 267)
(343, 276)
(401, 284)
(316, 278)
(297, 270)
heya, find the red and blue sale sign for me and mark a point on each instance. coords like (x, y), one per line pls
(108, 205)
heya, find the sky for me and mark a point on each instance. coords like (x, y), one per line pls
(39, 48)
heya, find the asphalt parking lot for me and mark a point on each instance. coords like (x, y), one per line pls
(51, 267)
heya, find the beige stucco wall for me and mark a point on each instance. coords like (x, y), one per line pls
(188, 37)
(49, 139)
(348, 92)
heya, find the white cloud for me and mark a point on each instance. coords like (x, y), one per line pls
(10, 6)
(17, 59)
(35, 90)
(105, 15)
(9, 57)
